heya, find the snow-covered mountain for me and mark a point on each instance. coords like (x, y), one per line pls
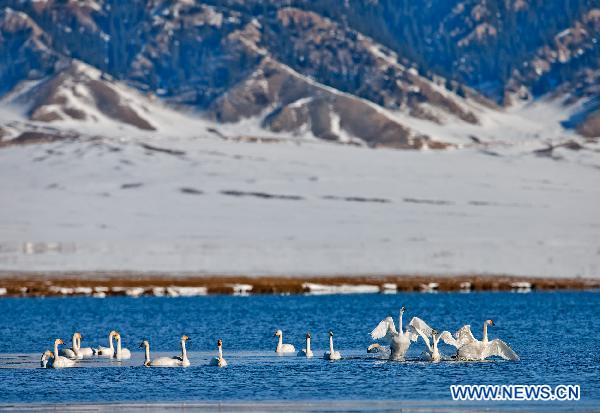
(287, 71)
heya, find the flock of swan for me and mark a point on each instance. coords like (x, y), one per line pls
(468, 348)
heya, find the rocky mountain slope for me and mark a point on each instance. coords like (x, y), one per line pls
(361, 72)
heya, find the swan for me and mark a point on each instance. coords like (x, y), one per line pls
(306, 352)
(377, 348)
(121, 353)
(84, 352)
(106, 351)
(175, 361)
(283, 348)
(399, 341)
(219, 360)
(331, 354)
(72, 352)
(47, 359)
(183, 359)
(421, 328)
(60, 361)
(469, 348)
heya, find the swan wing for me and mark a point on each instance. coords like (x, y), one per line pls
(385, 330)
(448, 339)
(464, 336)
(418, 327)
(498, 347)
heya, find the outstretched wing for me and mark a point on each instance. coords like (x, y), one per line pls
(464, 336)
(498, 347)
(418, 327)
(385, 330)
(448, 339)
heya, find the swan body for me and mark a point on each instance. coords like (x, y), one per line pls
(121, 353)
(219, 361)
(399, 341)
(47, 359)
(331, 354)
(106, 351)
(306, 352)
(283, 348)
(469, 348)
(175, 361)
(60, 362)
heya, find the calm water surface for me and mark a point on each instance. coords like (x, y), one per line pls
(556, 335)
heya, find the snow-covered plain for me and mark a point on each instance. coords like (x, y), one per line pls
(300, 208)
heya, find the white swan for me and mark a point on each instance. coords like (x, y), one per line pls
(331, 354)
(106, 351)
(399, 341)
(47, 359)
(183, 359)
(60, 361)
(306, 352)
(469, 348)
(219, 360)
(175, 361)
(283, 348)
(84, 352)
(421, 328)
(72, 353)
(377, 348)
(121, 353)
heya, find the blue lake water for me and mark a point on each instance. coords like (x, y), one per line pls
(556, 335)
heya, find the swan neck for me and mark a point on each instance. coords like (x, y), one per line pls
(400, 322)
(55, 350)
(183, 350)
(220, 352)
(118, 347)
(147, 353)
(110, 342)
(308, 344)
(78, 344)
(74, 342)
(280, 343)
(485, 335)
(331, 344)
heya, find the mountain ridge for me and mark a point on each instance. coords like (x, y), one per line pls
(200, 55)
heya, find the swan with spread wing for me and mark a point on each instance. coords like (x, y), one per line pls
(469, 348)
(421, 328)
(399, 341)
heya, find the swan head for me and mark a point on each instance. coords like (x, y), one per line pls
(330, 333)
(117, 336)
(78, 335)
(144, 343)
(185, 338)
(402, 309)
(434, 332)
(47, 354)
(219, 343)
(308, 335)
(113, 333)
(59, 341)
(490, 322)
(278, 333)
